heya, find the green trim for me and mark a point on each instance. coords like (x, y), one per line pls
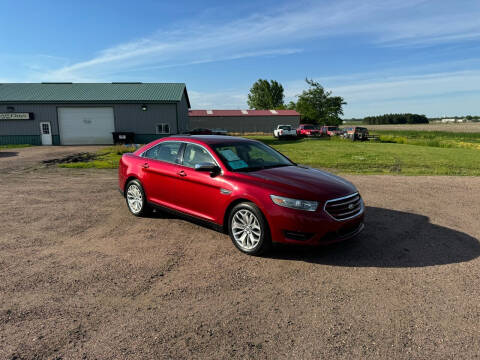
(56, 139)
(146, 138)
(20, 139)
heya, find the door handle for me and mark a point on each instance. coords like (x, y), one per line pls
(182, 173)
(145, 166)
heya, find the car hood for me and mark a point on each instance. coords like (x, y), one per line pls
(305, 181)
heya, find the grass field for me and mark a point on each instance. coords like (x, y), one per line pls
(107, 158)
(458, 127)
(343, 156)
(444, 139)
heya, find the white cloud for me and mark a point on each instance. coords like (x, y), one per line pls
(254, 35)
(433, 94)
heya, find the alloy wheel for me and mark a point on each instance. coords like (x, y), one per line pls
(246, 229)
(134, 198)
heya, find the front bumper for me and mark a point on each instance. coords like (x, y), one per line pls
(312, 228)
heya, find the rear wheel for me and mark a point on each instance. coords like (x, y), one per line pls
(248, 229)
(136, 200)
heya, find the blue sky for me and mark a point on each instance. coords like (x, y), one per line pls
(382, 56)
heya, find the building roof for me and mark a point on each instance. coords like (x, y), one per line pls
(243, 113)
(92, 92)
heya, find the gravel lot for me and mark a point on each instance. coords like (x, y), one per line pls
(83, 279)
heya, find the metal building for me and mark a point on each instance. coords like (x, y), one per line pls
(82, 113)
(243, 121)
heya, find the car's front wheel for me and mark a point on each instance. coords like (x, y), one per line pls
(248, 229)
(136, 200)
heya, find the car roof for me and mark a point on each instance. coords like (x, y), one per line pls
(209, 139)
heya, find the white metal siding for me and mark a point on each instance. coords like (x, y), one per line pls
(86, 125)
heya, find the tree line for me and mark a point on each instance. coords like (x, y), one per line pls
(396, 119)
(315, 104)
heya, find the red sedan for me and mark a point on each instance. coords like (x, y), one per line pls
(243, 187)
(308, 130)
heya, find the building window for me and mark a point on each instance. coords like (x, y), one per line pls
(162, 128)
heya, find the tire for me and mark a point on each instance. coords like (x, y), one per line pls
(248, 229)
(135, 198)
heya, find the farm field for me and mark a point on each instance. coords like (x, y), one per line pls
(459, 127)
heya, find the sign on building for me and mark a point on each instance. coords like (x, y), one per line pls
(16, 116)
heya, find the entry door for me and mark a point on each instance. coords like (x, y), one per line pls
(46, 133)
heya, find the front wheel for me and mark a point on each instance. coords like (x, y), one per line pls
(136, 200)
(248, 229)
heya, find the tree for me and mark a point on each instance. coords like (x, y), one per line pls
(265, 95)
(319, 106)
(396, 119)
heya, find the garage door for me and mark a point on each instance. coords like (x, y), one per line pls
(86, 125)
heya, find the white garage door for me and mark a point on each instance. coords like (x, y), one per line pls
(85, 125)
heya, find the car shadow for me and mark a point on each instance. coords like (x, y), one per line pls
(4, 154)
(391, 239)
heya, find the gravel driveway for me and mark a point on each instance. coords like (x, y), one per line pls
(83, 279)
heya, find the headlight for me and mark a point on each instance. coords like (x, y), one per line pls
(294, 203)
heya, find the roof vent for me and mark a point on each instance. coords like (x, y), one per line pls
(210, 112)
(244, 112)
(274, 112)
(55, 83)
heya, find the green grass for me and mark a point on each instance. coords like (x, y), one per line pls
(107, 158)
(14, 146)
(441, 139)
(347, 157)
(343, 156)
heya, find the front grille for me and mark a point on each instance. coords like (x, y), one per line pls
(344, 208)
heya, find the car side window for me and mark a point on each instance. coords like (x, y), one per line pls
(195, 154)
(166, 151)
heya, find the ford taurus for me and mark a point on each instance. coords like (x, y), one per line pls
(243, 187)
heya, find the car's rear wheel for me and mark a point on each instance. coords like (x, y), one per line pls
(136, 200)
(248, 229)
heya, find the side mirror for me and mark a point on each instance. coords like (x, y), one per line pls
(207, 167)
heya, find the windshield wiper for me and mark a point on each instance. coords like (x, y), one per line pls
(248, 169)
(256, 168)
(277, 165)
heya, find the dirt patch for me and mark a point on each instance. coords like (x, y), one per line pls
(29, 158)
(84, 279)
(80, 157)
(6, 154)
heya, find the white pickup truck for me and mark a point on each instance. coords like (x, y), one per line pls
(284, 131)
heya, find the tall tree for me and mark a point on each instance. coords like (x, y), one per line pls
(266, 95)
(319, 106)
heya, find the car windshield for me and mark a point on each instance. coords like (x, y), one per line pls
(309, 127)
(332, 128)
(249, 156)
(285, 127)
